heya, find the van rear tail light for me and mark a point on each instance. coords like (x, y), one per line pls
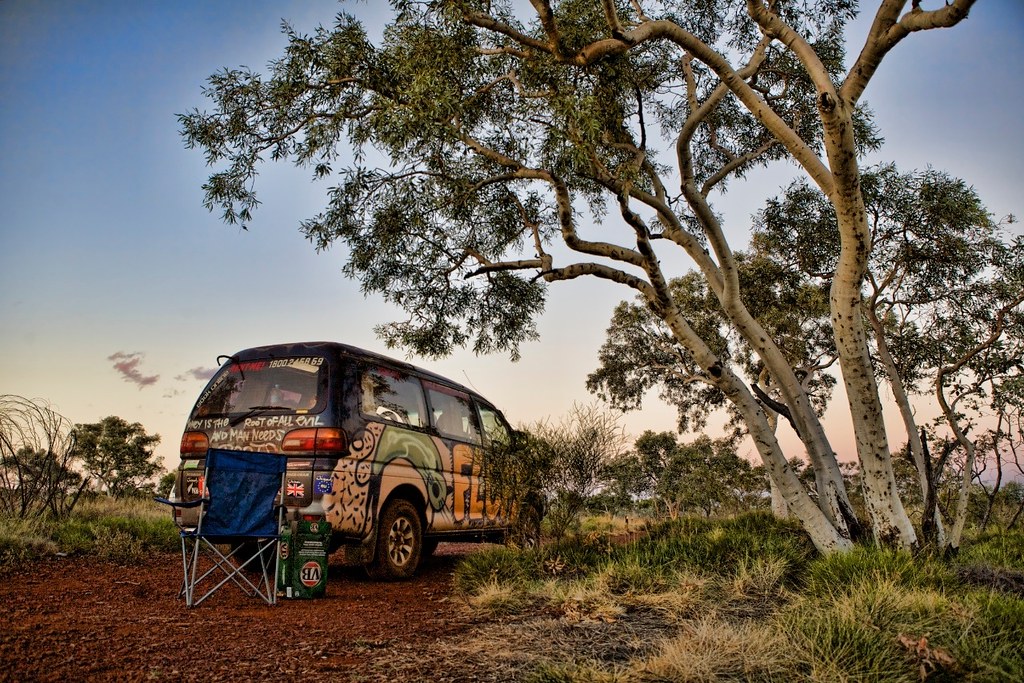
(194, 443)
(318, 441)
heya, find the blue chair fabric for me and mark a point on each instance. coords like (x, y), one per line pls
(239, 509)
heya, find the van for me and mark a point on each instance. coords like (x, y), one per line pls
(387, 453)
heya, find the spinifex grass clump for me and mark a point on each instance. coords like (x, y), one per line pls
(749, 599)
(718, 548)
(884, 615)
(22, 539)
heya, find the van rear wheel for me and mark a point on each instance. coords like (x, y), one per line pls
(399, 542)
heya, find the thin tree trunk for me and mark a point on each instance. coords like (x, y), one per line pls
(931, 520)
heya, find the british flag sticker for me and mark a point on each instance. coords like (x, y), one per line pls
(295, 489)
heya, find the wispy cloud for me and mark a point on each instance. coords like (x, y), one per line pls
(128, 365)
(197, 373)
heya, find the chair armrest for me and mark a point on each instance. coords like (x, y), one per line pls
(180, 504)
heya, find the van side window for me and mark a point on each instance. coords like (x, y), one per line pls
(495, 430)
(452, 413)
(394, 396)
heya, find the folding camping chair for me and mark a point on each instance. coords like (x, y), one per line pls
(239, 509)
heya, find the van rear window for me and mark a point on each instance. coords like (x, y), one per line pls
(287, 384)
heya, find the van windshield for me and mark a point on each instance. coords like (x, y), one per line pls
(285, 384)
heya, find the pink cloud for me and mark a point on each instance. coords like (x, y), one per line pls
(197, 373)
(128, 365)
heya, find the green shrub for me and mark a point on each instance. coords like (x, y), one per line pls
(152, 534)
(75, 536)
(504, 566)
(118, 546)
(117, 530)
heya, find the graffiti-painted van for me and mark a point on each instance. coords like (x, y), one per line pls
(386, 452)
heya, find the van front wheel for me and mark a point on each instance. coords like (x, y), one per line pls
(399, 542)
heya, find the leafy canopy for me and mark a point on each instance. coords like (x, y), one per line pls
(118, 454)
(469, 142)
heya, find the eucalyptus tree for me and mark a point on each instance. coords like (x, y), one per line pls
(118, 454)
(499, 149)
(704, 475)
(640, 353)
(978, 350)
(940, 282)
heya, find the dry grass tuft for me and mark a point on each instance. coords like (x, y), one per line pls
(714, 650)
(498, 599)
(586, 600)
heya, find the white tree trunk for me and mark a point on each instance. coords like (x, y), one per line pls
(724, 282)
(890, 523)
(779, 507)
(960, 520)
(823, 533)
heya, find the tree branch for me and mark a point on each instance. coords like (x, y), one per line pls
(886, 32)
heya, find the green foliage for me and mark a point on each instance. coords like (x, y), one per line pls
(516, 474)
(119, 455)
(640, 353)
(501, 565)
(458, 116)
(166, 484)
(996, 549)
(897, 567)
(866, 614)
(688, 544)
(934, 244)
(703, 476)
(23, 539)
(580, 447)
(118, 531)
(723, 547)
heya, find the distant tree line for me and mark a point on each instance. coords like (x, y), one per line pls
(47, 463)
(556, 472)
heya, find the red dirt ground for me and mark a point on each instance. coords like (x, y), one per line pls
(75, 619)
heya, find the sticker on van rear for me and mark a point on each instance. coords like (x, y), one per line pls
(322, 484)
(295, 489)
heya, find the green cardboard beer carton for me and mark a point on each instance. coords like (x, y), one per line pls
(302, 572)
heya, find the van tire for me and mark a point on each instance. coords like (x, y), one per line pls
(399, 542)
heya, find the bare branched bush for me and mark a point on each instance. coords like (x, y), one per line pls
(582, 444)
(37, 454)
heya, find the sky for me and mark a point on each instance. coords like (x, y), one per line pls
(118, 290)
